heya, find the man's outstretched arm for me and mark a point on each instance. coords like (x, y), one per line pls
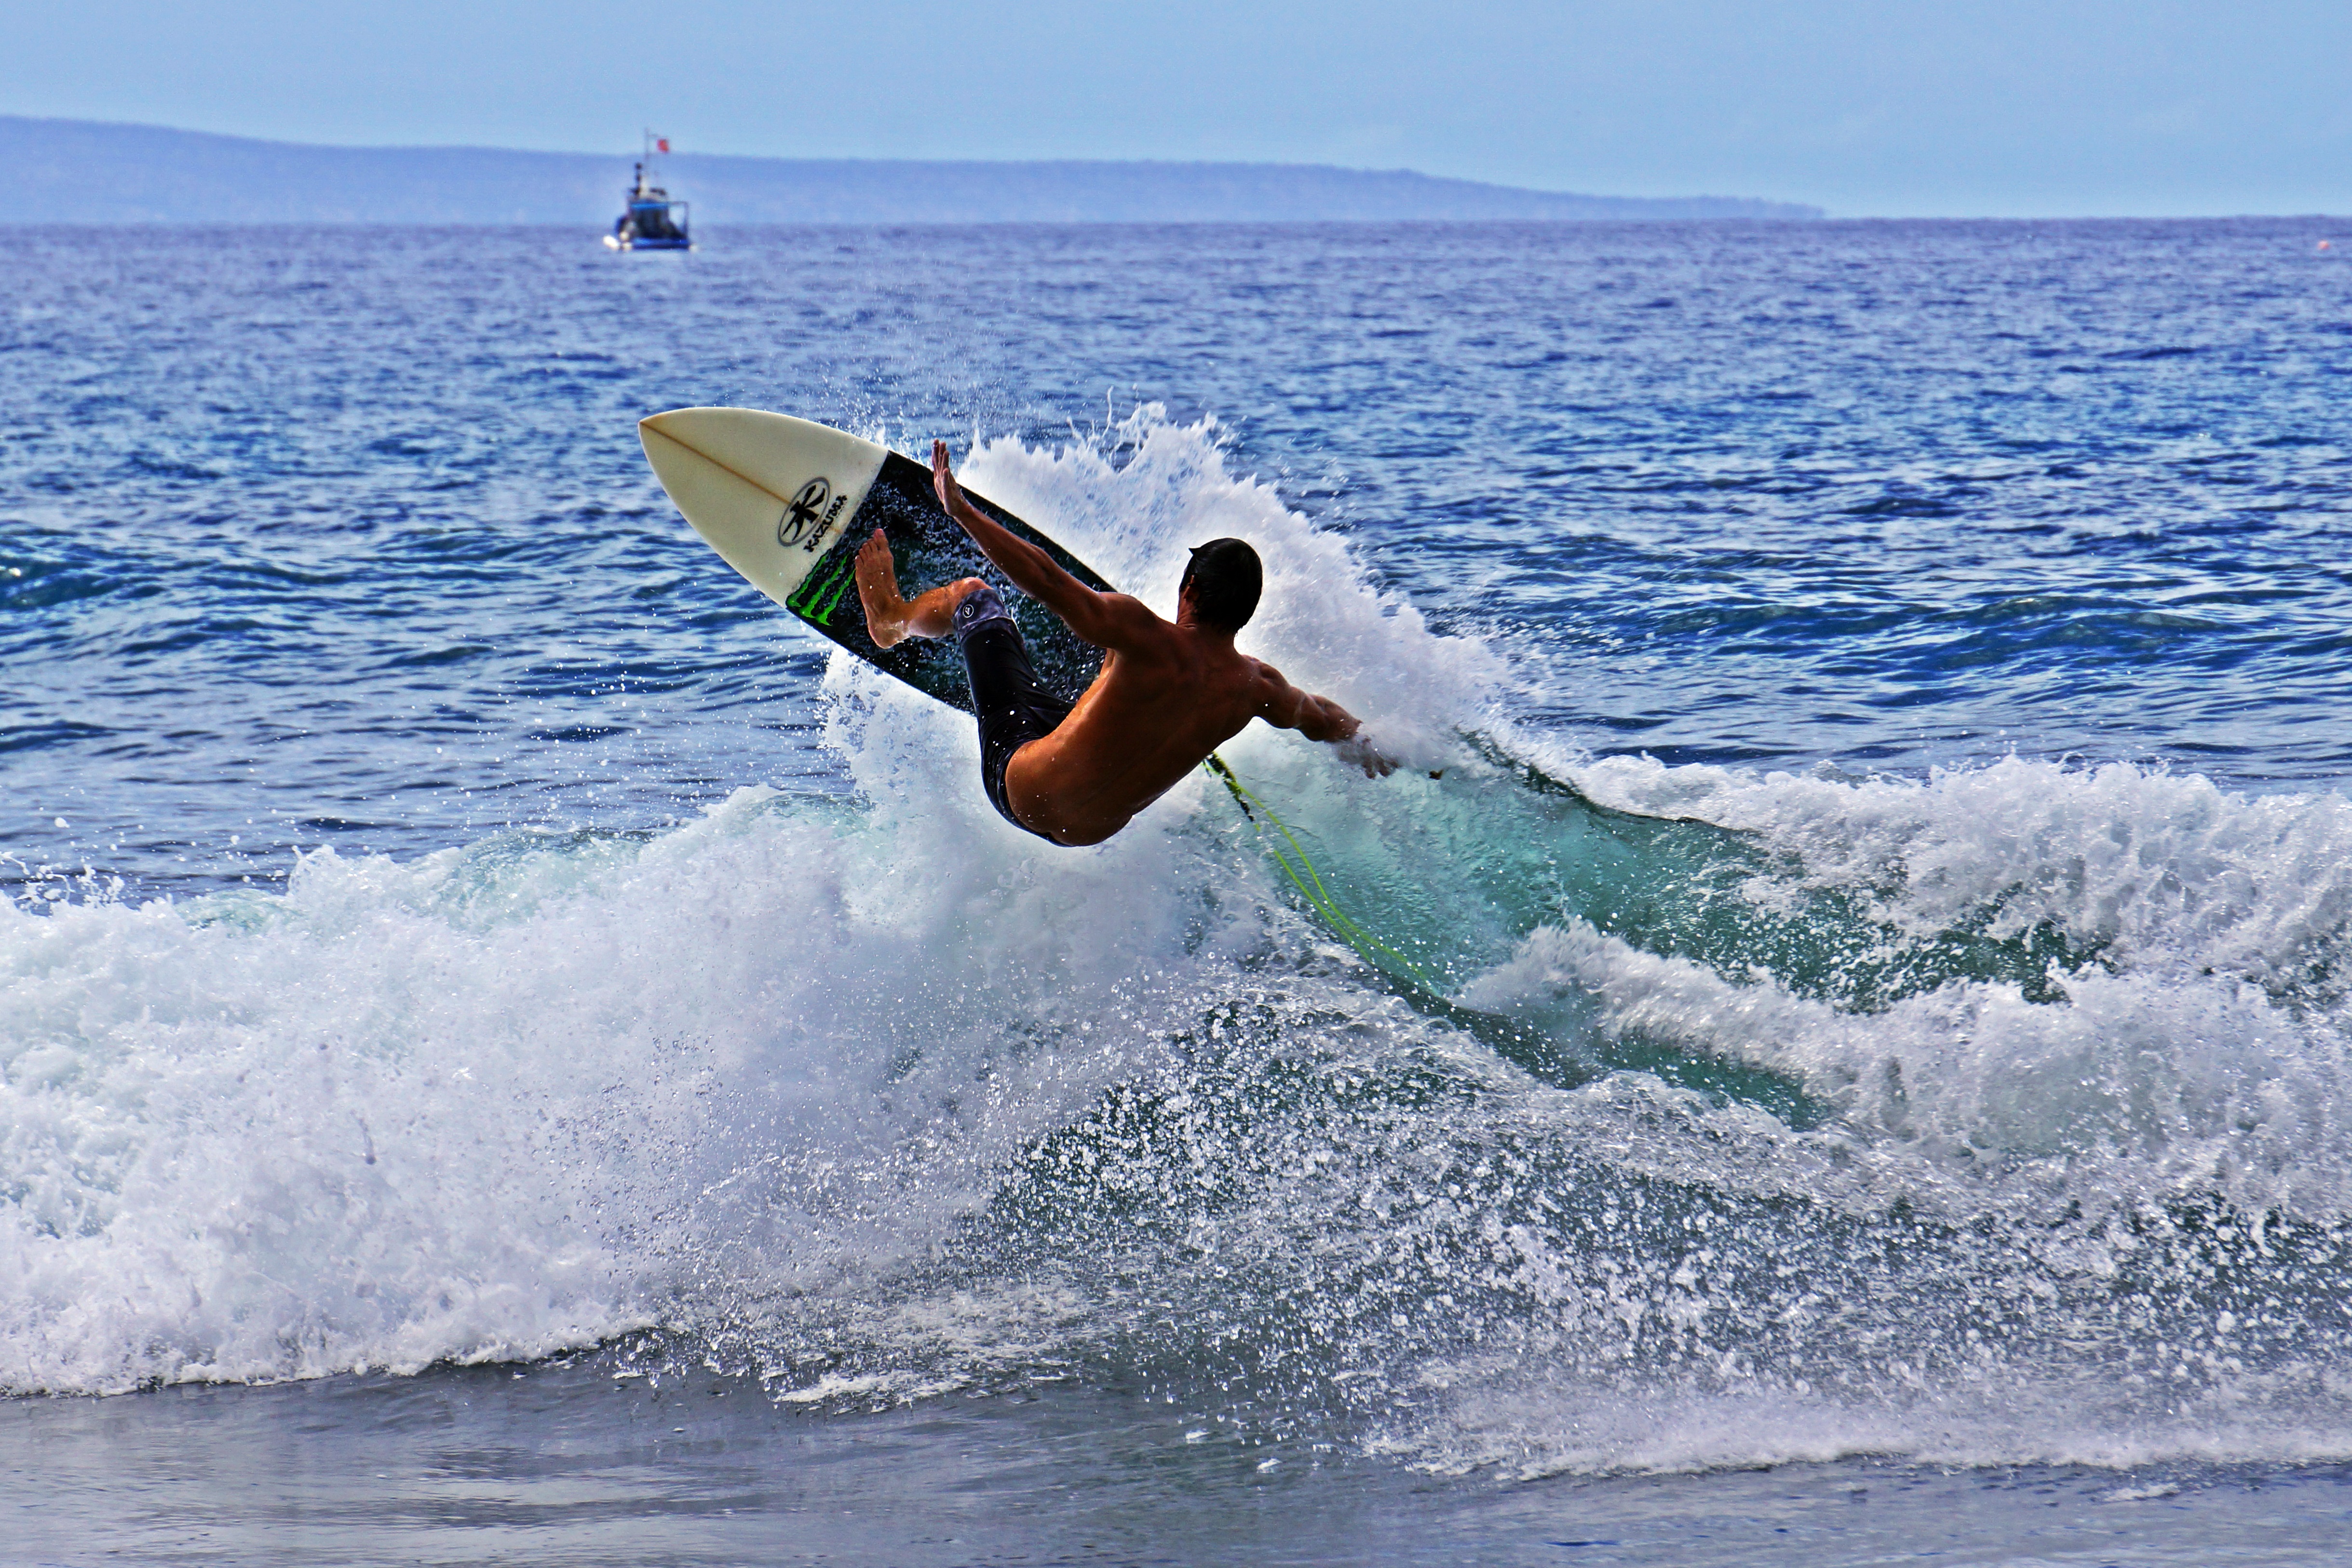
(1286, 707)
(1096, 619)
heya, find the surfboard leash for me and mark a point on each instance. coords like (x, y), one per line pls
(1303, 876)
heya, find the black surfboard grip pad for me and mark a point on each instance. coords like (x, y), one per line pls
(928, 549)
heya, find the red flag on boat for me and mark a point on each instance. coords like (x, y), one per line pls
(662, 144)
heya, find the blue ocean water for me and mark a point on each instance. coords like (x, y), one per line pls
(1867, 1067)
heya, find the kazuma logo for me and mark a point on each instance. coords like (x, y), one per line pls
(811, 515)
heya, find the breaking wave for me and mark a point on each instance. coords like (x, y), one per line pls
(1704, 1117)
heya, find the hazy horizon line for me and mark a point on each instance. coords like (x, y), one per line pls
(1819, 213)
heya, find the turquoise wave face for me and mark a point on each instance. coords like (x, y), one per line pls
(1721, 1043)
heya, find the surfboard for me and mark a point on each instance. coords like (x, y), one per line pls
(787, 503)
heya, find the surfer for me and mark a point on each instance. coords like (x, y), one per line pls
(1168, 693)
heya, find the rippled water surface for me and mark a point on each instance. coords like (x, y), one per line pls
(1858, 1025)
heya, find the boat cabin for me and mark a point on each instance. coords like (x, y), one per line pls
(652, 221)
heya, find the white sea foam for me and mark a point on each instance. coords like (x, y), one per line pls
(2167, 873)
(490, 1104)
(1531, 1435)
(2132, 1087)
(2197, 1050)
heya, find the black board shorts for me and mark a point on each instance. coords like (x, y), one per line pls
(1013, 706)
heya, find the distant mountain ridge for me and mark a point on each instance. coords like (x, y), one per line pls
(78, 170)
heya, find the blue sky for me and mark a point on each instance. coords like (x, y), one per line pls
(2006, 107)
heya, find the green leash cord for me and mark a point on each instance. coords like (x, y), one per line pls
(1310, 882)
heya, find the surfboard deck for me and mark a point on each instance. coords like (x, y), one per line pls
(787, 503)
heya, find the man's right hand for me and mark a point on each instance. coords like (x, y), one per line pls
(1358, 750)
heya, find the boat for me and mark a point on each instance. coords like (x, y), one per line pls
(653, 221)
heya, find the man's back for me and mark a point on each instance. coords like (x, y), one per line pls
(1167, 695)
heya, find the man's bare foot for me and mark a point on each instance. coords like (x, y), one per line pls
(878, 590)
(890, 617)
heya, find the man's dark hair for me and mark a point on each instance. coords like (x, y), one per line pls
(1226, 579)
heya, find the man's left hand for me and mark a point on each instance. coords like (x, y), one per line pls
(943, 480)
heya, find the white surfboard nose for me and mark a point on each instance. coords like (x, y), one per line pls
(771, 493)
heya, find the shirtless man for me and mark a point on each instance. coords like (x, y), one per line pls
(1167, 697)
